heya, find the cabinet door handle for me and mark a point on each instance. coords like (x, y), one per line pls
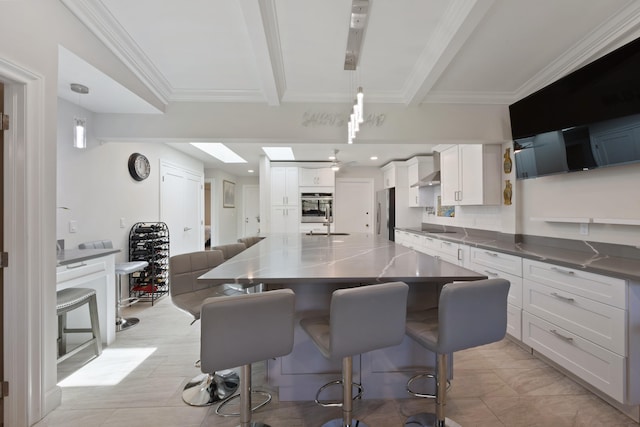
(560, 270)
(559, 335)
(493, 254)
(491, 273)
(459, 254)
(446, 243)
(557, 295)
(187, 228)
(71, 267)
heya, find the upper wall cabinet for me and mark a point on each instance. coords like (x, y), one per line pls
(418, 167)
(470, 174)
(319, 177)
(389, 175)
(284, 186)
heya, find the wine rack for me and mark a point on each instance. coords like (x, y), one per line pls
(149, 241)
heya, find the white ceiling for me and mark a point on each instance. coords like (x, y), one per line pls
(275, 52)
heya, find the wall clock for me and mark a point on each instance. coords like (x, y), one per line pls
(139, 166)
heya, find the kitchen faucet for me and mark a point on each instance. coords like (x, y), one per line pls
(327, 219)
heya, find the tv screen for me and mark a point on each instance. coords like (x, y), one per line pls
(605, 143)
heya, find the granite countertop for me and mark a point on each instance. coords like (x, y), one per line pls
(354, 258)
(72, 256)
(594, 257)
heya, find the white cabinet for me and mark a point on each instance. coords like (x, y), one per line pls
(99, 274)
(470, 175)
(285, 214)
(285, 219)
(389, 175)
(284, 186)
(419, 167)
(578, 320)
(319, 177)
(504, 266)
(454, 253)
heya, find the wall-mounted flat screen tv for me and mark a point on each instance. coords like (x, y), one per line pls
(587, 119)
(580, 148)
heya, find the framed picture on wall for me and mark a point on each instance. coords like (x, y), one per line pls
(228, 194)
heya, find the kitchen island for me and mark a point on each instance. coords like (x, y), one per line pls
(316, 265)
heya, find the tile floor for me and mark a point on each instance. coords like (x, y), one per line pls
(495, 385)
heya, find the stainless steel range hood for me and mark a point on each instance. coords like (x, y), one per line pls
(432, 179)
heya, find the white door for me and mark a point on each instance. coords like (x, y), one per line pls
(353, 206)
(181, 208)
(251, 210)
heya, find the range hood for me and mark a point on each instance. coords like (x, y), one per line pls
(431, 179)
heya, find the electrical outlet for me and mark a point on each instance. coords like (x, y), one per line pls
(73, 226)
(122, 223)
(584, 229)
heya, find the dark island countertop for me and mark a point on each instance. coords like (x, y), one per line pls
(356, 258)
(72, 256)
(607, 259)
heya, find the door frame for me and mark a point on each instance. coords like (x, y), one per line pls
(370, 182)
(30, 197)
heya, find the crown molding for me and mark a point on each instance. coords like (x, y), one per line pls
(615, 32)
(95, 16)
(212, 95)
(485, 98)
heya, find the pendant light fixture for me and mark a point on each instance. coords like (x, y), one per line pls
(357, 25)
(79, 123)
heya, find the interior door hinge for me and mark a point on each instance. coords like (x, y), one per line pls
(5, 389)
(4, 123)
(4, 259)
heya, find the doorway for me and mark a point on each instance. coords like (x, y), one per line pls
(250, 210)
(354, 205)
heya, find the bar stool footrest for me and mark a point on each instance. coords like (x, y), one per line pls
(224, 403)
(423, 375)
(328, 403)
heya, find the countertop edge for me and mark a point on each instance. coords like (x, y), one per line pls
(72, 256)
(589, 264)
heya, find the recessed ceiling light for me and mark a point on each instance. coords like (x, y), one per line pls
(219, 151)
(373, 157)
(250, 171)
(279, 153)
(332, 157)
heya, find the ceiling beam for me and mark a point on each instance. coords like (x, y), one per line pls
(262, 26)
(457, 24)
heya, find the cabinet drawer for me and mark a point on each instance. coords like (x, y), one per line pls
(515, 290)
(514, 321)
(599, 288)
(496, 260)
(430, 245)
(600, 323)
(70, 275)
(601, 368)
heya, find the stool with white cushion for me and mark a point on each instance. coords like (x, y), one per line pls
(121, 269)
(70, 299)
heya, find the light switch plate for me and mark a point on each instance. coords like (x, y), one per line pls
(73, 226)
(584, 229)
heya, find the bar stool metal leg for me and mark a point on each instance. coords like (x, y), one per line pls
(207, 389)
(121, 322)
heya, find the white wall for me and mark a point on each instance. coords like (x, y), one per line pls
(95, 184)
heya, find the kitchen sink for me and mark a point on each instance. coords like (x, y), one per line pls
(324, 234)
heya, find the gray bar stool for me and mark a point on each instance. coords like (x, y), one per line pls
(469, 314)
(256, 326)
(188, 295)
(123, 269)
(70, 299)
(360, 319)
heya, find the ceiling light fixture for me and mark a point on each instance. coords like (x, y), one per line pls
(219, 151)
(357, 25)
(79, 123)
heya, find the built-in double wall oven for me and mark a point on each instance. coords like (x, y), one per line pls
(316, 207)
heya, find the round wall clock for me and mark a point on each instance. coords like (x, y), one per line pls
(139, 166)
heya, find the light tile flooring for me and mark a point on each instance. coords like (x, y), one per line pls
(495, 385)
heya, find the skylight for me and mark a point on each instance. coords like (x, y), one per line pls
(219, 151)
(279, 153)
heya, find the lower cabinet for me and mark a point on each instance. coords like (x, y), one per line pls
(578, 320)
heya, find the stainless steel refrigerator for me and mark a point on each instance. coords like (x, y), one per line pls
(386, 213)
